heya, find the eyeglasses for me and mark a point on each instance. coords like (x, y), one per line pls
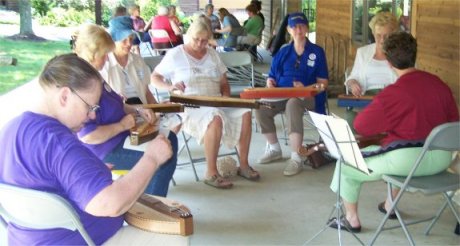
(91, 108)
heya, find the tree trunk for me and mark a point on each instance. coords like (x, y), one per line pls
(98, 12)
(25, 13)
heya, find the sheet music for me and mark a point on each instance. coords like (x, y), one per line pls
(331, 128)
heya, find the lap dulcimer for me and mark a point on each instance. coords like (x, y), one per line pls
(145, 131)
(161, 215)
(216, 101)
(281, 92)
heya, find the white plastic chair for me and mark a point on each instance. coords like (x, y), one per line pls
(160, 33)
(443, 137)
(39, 210)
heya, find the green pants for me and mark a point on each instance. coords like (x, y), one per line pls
(396, 162)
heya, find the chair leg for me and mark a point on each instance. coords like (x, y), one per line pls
(189, 153)
(448, 201)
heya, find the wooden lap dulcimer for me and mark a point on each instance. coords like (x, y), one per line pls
(161, 215)
(215, 101)
(144, 131)
(281, 92)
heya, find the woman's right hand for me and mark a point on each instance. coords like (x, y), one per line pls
(128, 122)
(159, 150)
(355, 87)
(179, 86)
(271, 83)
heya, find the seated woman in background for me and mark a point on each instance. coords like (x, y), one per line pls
(253, 27)
(138, 26)
(162, 21)
(105, 134)
(371, 72)
(172, 14)
(124, 71)
(230, 30)
(196, 69)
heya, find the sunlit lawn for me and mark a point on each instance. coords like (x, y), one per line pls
(31, 56)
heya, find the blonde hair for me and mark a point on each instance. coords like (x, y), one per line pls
(132, 8)
(93, 42)
(384, 19)
(199, 26)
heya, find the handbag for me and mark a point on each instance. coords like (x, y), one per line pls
(316, 154)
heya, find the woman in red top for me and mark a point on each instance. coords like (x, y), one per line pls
(162, 21)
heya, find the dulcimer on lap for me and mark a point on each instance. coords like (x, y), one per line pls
(216, 101)
(281, 92)
(145, 131)
(161, 215)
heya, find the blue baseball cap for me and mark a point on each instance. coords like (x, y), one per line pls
(120, 28)
(297, 18)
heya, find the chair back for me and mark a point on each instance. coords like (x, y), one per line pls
(153, 61)
(444, 137)
(241, 69)
(39, 210)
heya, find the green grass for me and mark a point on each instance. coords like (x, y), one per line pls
(31, 56)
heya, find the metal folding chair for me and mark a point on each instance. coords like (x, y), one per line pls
(39, 210)
(443, 137)
(160, 33)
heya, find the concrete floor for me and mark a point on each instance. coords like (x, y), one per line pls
(281, 210)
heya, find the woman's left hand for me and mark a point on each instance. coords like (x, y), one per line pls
(148, 115)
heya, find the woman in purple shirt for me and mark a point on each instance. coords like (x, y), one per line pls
(40, 151)
(105, 134)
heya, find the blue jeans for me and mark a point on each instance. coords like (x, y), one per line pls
(125, 159)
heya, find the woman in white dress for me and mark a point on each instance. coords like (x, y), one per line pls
(196, 69)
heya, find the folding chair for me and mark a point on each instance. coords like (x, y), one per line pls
(145, 45)
(160, 33)
(442, 137)
(39, 210)
(240, 73)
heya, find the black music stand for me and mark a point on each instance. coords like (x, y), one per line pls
(341, 144)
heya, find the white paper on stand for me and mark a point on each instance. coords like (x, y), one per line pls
(336, 132)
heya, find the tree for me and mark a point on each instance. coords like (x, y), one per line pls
(25, 13)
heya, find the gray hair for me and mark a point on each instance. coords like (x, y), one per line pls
(162, 10)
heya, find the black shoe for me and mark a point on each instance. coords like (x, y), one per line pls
(382, 209)
(344, 225)
(457, 229)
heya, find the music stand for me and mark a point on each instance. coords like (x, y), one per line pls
(342, 145)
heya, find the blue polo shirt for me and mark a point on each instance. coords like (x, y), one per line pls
(287, 67)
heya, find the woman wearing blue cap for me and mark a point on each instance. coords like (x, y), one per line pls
(126, 72)
(298, 64)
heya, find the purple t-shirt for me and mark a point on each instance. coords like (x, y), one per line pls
(111, 111)
(39, 152)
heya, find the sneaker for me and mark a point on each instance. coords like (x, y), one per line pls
(292, 168)
(269, 156)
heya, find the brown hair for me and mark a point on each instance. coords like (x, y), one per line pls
(69, 70)
(400, 49)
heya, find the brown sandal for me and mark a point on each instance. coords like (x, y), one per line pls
(219, 182)
(249, 173)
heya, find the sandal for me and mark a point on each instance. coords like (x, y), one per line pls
(382, 209)
(248, 173)
(219, 182)
(344, 225)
